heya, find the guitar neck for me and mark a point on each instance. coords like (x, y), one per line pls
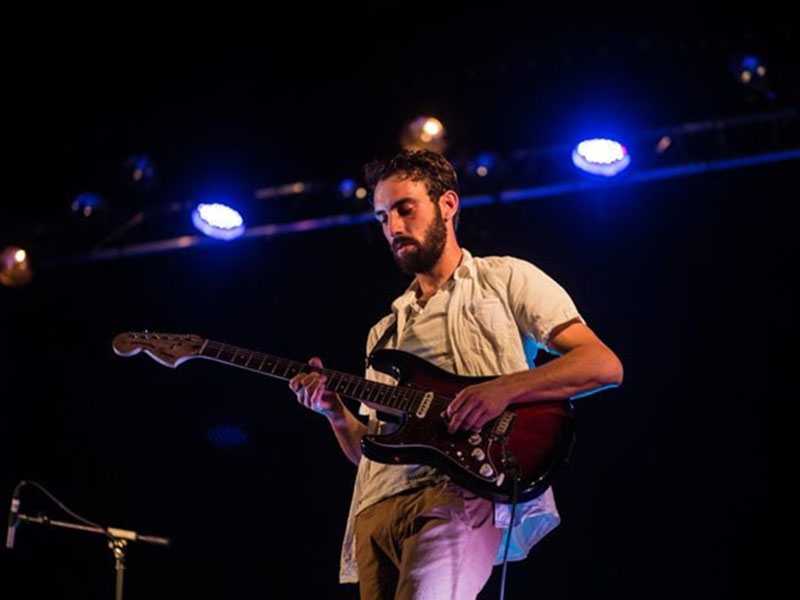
(350, 386)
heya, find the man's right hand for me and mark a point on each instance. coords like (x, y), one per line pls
(311, 393)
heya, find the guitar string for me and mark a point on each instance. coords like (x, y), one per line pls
(408, 398)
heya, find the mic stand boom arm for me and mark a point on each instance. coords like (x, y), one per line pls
(118, 540)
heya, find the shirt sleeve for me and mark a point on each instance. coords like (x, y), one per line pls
(539, 303)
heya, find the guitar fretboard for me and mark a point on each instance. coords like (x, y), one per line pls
(350, 386)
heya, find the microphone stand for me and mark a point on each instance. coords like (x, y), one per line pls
(118, 541)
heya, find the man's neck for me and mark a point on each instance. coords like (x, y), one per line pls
(442, 271)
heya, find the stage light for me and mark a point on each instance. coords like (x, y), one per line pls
(139, 171)
(749, 70)
(484, 164)
(601, 157)
(431, 129)
(361, 193)
(347, 188)
(424, 132)
(87, 205)
(15, 269)
(663, 144)
(218, 221)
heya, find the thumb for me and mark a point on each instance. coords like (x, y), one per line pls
(315, 362)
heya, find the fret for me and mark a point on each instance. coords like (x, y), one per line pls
(252, 355)
(377, 393)
(382, 391)
(291, 369)
(335, 382)
(261, 364)
(392, 398)
(399, 399)
(362, 384)
(369, 389)
(283, 367)
(349, 381)
(241, 355)
(225, 354)
(208, 348)
(371, 386)
(405, 400)
(381, 395)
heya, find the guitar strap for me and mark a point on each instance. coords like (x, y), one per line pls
(386, 336)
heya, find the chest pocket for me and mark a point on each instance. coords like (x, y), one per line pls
(492, 324)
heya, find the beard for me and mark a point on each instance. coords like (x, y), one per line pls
(421, 257)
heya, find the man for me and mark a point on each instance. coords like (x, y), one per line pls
(412, 532)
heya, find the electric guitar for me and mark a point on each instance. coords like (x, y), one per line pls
(513, 456)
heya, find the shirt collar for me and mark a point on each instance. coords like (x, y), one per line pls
(464, 270)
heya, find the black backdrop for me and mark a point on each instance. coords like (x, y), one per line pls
(667, 492)
(673, 482)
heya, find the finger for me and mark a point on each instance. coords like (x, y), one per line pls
(315, 361)
(316, 396)
(304, 385)
(470, 422)
(297, 387)
(314, 385)
(483, 420)
(470, 414)
(294, 383)
(458, 401)
(458, 417)
(308, 379)
(309, 391)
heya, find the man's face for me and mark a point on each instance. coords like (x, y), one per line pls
(412, 223)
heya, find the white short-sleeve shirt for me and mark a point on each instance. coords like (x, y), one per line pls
(489, 319)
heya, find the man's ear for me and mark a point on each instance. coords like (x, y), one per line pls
(450, 200)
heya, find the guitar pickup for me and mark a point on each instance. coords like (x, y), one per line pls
(504, 424)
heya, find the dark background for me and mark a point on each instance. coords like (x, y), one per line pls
(669, 490)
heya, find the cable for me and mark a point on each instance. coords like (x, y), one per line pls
(512, 467)
(61, 505)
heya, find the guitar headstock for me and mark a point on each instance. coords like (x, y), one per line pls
(170, 349)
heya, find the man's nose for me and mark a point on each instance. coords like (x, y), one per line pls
(394, 227)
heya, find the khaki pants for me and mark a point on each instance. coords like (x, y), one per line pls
(433, 543)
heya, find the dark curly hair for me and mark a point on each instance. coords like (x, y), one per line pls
(426, 166)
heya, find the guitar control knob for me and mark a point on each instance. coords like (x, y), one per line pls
(475, 439)
(487, 470)
(478, 454)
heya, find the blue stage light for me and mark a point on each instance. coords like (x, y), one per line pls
(485, 164)
(87, 205)
(218, 221)
(601, 157)
(140, 171)
(750, 70)
(347, 188)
